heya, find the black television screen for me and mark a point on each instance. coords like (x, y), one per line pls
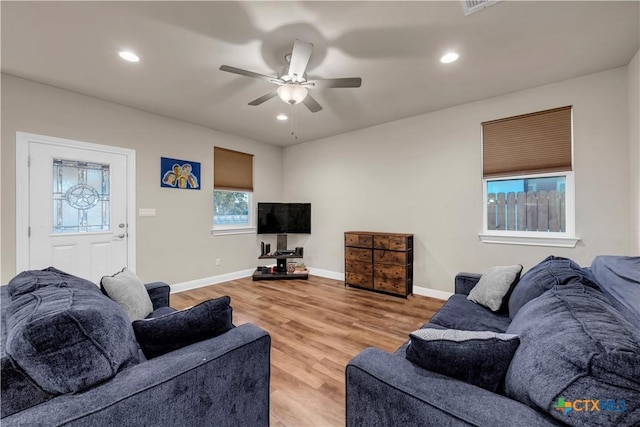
(299, 220)
(282, 218)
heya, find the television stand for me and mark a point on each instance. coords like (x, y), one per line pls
(280, 272)
(281, 256)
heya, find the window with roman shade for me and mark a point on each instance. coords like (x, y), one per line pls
(527, 173)
(527, 144)
(232, 191)
(232, 170)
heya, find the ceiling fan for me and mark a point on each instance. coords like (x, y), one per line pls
(292, 81)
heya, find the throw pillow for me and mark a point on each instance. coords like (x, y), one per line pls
(129, 292)
(550, 272)
(480, 358)
(163, 334)
(494, 286)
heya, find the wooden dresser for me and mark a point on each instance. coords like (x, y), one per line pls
(381, 262)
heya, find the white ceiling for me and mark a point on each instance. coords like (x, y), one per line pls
(394, 46)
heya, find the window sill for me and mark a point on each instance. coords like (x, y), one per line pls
(528, 240)
(230, 231)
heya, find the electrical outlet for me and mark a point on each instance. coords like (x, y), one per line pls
(217, 261)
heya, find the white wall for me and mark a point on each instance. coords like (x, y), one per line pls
(633, 73)
(176, 245)
(418, 175)
(422, 175)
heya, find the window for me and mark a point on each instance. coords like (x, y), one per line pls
(528, 189)
(231, 207)
(232, 192)
(80, 196)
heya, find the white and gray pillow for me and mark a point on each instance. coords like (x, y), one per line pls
(495, 285)
(480, 358)
(129, 292)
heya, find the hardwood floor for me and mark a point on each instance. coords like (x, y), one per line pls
(316, 327)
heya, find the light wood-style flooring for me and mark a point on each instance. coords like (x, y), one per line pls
(316, 327)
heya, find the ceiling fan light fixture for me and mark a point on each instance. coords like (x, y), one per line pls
(449, 58)
(292, 93)
(129, 56)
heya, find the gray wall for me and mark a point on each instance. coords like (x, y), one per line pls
(422, 175)
(176, 245)
(633, 72)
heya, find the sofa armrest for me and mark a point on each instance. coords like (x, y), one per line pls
(387, 390)
(159, 294)
(464, 282)
(222, 381)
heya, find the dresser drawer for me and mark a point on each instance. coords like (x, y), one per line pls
(358, 240)
(390, 273)
(394, 243)
(361, 280)
(356, 254)
(390, 279)
(389, 257)
(398, 287)
(358, 267)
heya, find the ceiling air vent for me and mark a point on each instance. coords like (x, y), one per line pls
(473, 6)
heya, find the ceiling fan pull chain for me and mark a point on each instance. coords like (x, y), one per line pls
(294, 122)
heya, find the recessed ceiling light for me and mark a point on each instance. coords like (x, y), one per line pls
(281, 117)
(129, 56)
(449, 57)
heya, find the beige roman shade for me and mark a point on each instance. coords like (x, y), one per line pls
(232, 170)
(527, 144)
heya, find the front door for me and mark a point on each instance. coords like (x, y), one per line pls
(78, 209)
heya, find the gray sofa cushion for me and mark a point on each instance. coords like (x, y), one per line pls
(550, 272)
(619, 278)
(129, 292)
(32, 280)
(67, 339)
(480, 358)
(460, 313)
(574, 345)
(495, 286)
(163, 334)
(18, 390)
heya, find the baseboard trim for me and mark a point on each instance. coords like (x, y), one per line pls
(426, 292)
(433, 293)
(327, 274)
(213, 280)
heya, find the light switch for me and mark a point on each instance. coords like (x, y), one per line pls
(147, 212)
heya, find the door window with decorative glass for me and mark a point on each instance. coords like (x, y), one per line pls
(80, 196)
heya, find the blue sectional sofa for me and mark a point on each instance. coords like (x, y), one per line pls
(577, 363)
(70, 357)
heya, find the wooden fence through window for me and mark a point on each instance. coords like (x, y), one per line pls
(527, 211)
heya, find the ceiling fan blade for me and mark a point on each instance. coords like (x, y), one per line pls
(265, 97)
(299, 59)
(329, 83)
(312, 104)
(251, 74)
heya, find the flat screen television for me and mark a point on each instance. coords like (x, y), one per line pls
(284, 218)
